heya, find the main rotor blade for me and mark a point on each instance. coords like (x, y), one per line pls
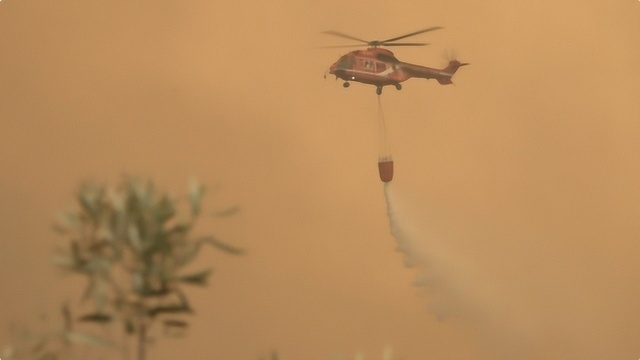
(340, 46)
(359, 45)
(411, 34)
(335, 33)
(404, 44)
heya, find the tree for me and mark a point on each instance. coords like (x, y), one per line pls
(132, 245)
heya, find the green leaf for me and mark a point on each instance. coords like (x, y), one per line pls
(133, 234)
(75, 253)
(227, 212)
(64, 261)
(175, 328)
(175, 323)
(98, 317)
(89, 197)
(116, 200)
(60, 229)
(168, 309)
(99, 288)
(188, 254)
(48, 356)
(146, 292)
(129, 328)
(223, 246)
(181, 228)
(66, 221)
(98, 265)
(40, 344)
(99, 246)
(66, 315)
(88, 291)
(85, 338)
(138, 282)
(164, 209)
(199, 278)
(196, 191)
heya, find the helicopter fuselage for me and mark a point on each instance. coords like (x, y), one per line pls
(380, 67)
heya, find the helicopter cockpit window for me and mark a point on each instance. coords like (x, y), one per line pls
(344, 62)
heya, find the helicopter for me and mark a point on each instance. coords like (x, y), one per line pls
(379, 67)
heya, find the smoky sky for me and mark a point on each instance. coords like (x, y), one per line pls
(521, 181)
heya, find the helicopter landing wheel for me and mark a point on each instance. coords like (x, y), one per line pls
(346, 84)
(379, 90)
(398, 86)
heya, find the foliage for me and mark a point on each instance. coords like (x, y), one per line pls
(133, 246)
(50, 343)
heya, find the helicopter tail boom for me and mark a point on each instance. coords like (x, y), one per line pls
(443, 76)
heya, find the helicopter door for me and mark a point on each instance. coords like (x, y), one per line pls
(380, 67)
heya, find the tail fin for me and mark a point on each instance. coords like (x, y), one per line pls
(451, 69)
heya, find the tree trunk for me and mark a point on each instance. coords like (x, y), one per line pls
(142, 337)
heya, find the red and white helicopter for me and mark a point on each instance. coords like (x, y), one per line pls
(380, 67)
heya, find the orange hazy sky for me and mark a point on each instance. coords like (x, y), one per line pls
(516, 192)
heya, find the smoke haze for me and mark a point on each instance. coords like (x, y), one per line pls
(515, 193)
